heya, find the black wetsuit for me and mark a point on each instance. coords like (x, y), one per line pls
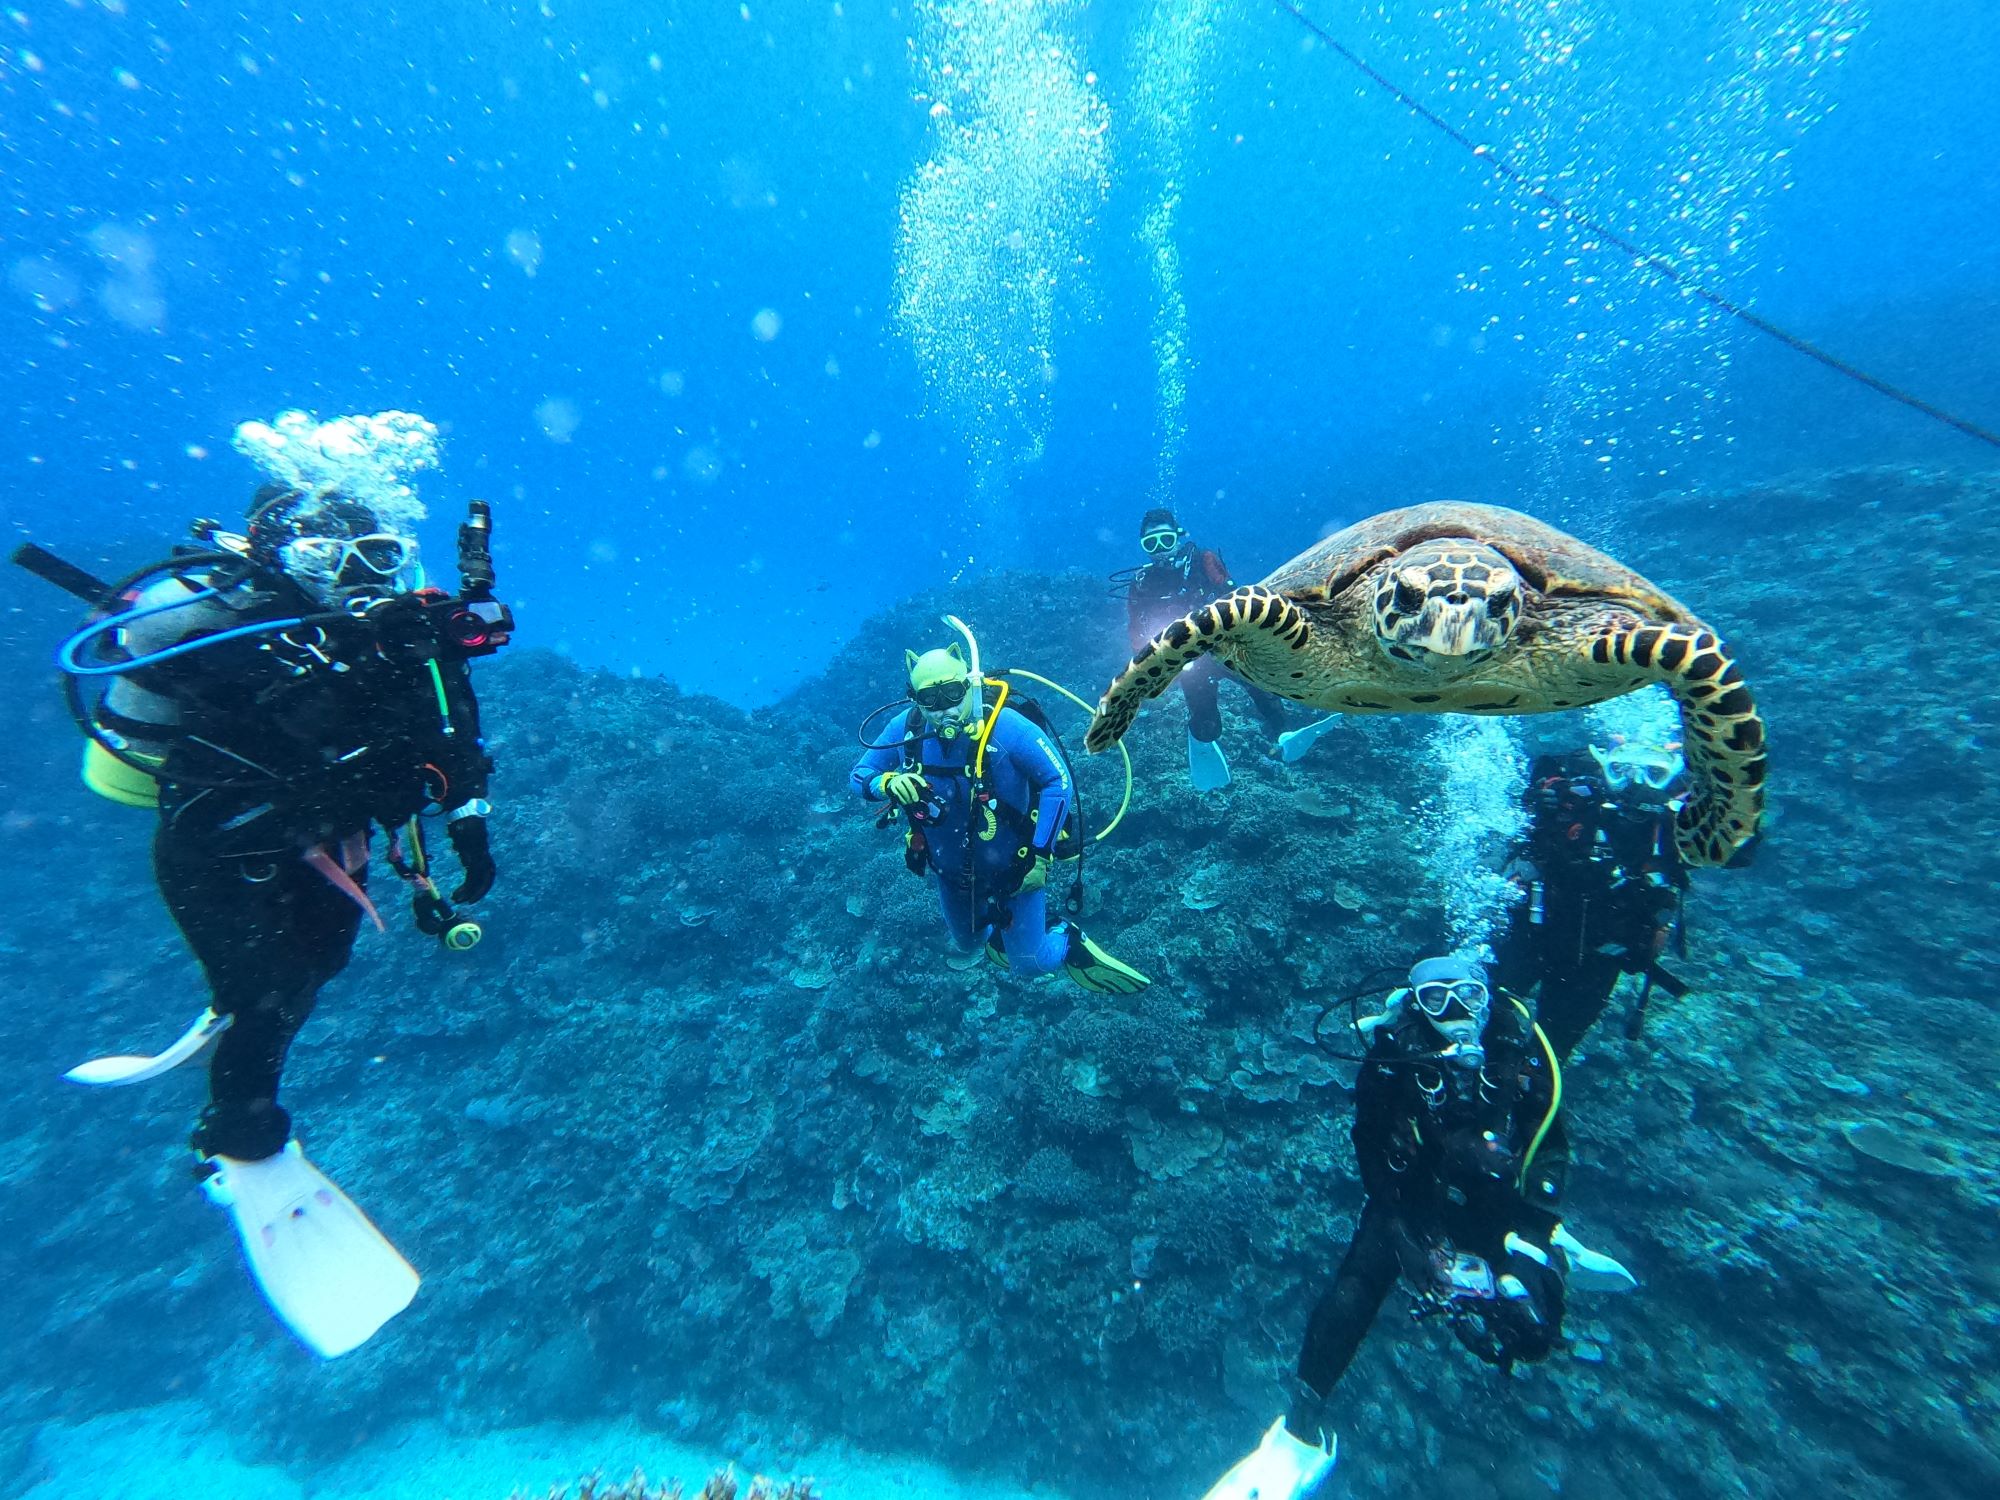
(1604, 889)
(1440, 1149)
(282, 752)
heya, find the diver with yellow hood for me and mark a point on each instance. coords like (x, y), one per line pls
(989, 806)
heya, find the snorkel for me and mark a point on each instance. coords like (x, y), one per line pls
(976, 699)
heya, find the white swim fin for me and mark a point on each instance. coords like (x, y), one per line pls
(1294, 743)
(1208, 769)
(1279, 1468)
(326, 1271)
(1590, 1270)
(110, 1072)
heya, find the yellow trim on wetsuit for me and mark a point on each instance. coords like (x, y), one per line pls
(1555, 1090)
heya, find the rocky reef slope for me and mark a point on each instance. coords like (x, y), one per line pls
(708, 1132)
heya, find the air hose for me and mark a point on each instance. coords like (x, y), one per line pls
(1124, 802)
(1555, 1090)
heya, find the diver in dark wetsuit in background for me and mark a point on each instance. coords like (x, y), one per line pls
(1603, 886)
(1179, 576)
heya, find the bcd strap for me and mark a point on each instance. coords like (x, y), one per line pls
(66, 576)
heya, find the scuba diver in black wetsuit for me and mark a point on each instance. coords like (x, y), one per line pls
(1604, 886)
(1462, 1155)
(277, 696)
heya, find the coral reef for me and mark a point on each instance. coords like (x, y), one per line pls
(707, 1133)
(719, 1486)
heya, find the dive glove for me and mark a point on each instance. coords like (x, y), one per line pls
(1037, 874)
(475, 855)
(904, 788)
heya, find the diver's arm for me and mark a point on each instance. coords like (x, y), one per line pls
(1041, 765)
(461, 754)
(865, 778)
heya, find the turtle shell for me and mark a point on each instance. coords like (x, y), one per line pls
(1550, 561)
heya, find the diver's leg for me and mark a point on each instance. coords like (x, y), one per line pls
(1199, 684)
(956, 904)
(266, 947)
(1270, 709)
(1516, 965)
(1572, 999)
(1032, 948)
(1342, 1317)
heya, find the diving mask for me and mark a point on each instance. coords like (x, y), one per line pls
(1626, 766)
(941, 697)
(332, 566)
(1448, 1000)
(1157, 542)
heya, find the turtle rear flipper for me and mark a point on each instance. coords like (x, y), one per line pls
(1722, 734)
(1253, 628)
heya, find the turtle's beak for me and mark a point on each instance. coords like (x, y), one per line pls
(1449, 628)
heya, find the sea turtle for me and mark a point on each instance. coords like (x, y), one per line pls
(1473, 609)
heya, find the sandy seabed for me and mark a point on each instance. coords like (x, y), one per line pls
(174, 1452)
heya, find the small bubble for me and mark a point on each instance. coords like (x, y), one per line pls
(764, 327)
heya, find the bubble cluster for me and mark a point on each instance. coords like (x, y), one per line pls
(1469, 823)
(1647, 717)
(365, 458)
(993, 221)
(1682, 154)
(1167, 72)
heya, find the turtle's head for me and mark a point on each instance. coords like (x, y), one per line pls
(1454, 599)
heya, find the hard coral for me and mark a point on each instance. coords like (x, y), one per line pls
(721, 1485)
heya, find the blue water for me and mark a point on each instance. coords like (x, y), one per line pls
(648, 267)
(311, 207)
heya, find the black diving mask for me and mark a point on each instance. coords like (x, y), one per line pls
(941, 697)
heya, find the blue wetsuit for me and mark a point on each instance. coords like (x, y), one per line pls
(1026, 774)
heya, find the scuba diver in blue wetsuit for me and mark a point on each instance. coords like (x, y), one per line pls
(989, 807)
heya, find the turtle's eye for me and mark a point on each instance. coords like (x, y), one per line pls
(1410, 592)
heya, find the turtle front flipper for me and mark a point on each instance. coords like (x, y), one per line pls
(1253, 629)
(1722, 735)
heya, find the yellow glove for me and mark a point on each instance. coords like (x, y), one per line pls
(1038, 874)
(904, 788)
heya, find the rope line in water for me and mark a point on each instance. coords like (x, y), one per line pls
(1643, 259)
